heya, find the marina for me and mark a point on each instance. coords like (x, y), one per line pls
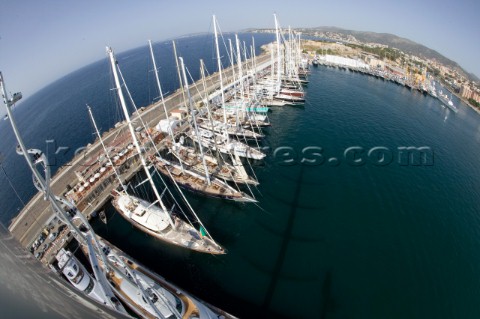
(89, 183)
(426, 85)
(90, 180)
(338, 236)
(27, 225)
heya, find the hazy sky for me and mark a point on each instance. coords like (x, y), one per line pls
(40, 41)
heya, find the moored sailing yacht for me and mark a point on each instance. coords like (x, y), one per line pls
(292, 92)
(289, 98)
(201, 183)
(99, 289)
(201, 171)
(132, 281)
(220, 143)
(154, 220)
(188, 156)
(231, 129)
(237, 115)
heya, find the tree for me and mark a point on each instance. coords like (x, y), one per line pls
(474, 103)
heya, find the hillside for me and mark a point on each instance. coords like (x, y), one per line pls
(391, 40)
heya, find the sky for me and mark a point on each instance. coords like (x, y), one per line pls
(41, 41)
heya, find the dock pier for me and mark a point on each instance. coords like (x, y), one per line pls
(37, 214)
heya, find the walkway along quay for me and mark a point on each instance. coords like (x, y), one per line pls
(90, 184)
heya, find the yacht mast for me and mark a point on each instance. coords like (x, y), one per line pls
(279, 57)
(239, 65)
(114, 65)
(272, 58)
(194, 119)
(105, 149)
(43, 185)
(178, 69)
(254, 57)
(219, 63)
(232, 65)
(160, 88)
(39, 180)
(207, 105)
(245, 54)
(169, 128)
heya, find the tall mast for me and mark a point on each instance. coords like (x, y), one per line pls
(219, 63)
(194, 120)
(169, 128)
(253, 72)
(204, 82)
(178, 70)
(232, 63)
(114, 63)
(160, 88)
(298, 52)
(279, 57)
(105, 148)
(43, 184)
(245, 54)
(272, 58)
(254, 56)
(240, 80)
(239, 65)
(289, 52)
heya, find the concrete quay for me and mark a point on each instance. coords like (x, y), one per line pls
(37, 214)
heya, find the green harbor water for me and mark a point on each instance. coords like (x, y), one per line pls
(335, 240)
(338, 240)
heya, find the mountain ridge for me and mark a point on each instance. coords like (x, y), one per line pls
(392, 40)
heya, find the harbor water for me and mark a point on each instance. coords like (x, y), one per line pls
(330, 239)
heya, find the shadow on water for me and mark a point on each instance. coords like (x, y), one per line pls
(326, 302)
(275, 276)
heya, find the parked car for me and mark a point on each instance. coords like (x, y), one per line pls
(53, 236)
(45, 247)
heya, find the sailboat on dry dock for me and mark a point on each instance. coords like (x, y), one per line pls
(154, 220)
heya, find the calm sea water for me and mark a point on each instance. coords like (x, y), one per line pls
(327, 241)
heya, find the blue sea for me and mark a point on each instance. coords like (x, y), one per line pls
(331, 239)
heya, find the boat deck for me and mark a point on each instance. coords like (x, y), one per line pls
(117, 282)
(184, 235)
(197, 183)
